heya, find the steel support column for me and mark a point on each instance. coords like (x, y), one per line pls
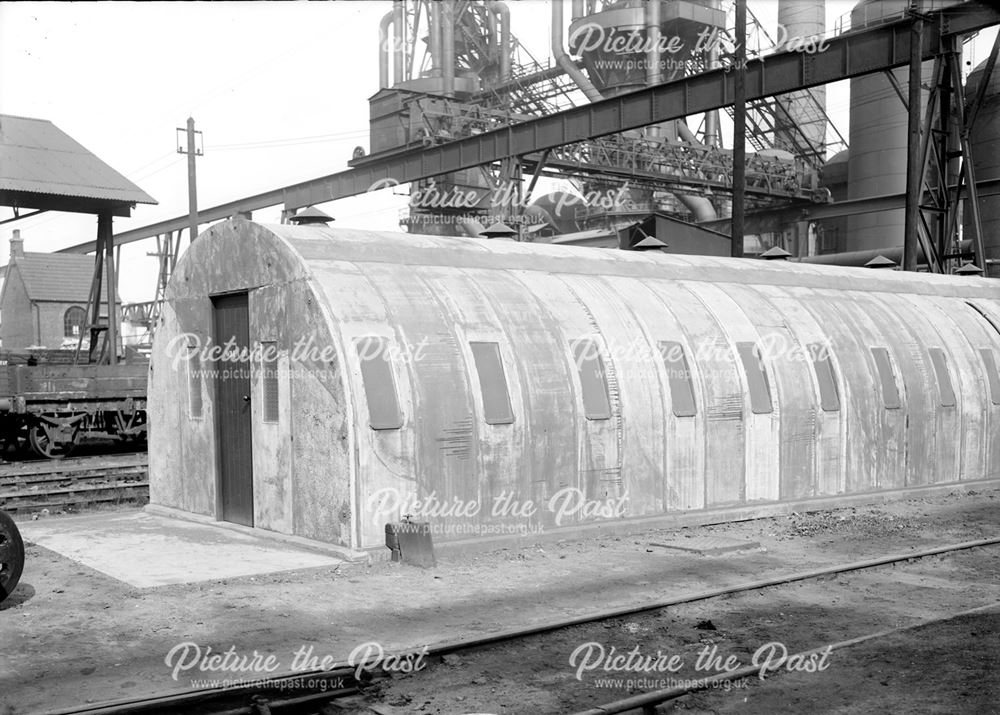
(914, 165)
(739, 132)
(91, 326)
(104, 268)
(112, 292)
(968, 172)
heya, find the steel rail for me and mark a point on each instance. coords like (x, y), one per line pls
(263, 706)
(444, 648)
(205, 699)
(649, 701)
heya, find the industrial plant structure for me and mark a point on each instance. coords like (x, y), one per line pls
(635, 109)
(475, 77)
(457, 70)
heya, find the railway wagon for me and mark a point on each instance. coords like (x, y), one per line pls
(323, 382)
(51, 405)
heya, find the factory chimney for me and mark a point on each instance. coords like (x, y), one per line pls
(16, 245)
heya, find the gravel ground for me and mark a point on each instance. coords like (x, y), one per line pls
(72, 635)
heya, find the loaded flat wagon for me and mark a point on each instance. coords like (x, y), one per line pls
(54, 404)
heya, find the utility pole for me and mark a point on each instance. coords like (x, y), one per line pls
(739, 130)
(192, 152)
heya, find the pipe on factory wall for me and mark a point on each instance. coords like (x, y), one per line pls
(563, 60)
(399, 41)
(502, 12)
(652, 18)
(448, 48)
(384, 46)
(435, 32)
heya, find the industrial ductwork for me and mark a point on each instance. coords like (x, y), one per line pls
(699, 206)
(564, 61)
(502, 13)
(399, 41)
(384, 46)
(394, 46)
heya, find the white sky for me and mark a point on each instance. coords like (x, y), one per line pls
(279, 89)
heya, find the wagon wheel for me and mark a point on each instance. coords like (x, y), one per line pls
(43, 445)
(125, 426)
(11, 555)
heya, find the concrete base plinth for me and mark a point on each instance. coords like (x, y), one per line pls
(147, 550)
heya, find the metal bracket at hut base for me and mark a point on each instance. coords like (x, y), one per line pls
(411, 542)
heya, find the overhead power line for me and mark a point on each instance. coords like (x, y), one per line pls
(291, 141)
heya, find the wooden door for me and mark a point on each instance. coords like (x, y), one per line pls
(232, 410)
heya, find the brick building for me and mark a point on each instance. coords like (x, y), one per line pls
(43, 298)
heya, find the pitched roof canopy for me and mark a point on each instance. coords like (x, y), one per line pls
(42, 167)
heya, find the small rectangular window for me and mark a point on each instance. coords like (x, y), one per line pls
(492, 383)
(596, 405)
(760, 391)
(992, 374)
(269, 380)
(380, 388)
(194, 381)
(890, 391)
(679, 376)
(829, 397)
(940, 363)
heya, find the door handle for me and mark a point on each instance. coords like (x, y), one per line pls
(246, 398)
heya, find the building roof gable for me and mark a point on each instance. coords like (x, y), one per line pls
(56, 277)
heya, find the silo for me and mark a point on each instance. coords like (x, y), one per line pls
(985, 141)
(878, 137)
(797, 20)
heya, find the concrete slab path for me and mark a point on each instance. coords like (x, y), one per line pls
(145, 551)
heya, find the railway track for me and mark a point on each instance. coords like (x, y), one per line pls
(27, 487)
(648, 702)
(293, 695)
(247, 700)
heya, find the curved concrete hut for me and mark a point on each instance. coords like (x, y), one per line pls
(493, 388)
